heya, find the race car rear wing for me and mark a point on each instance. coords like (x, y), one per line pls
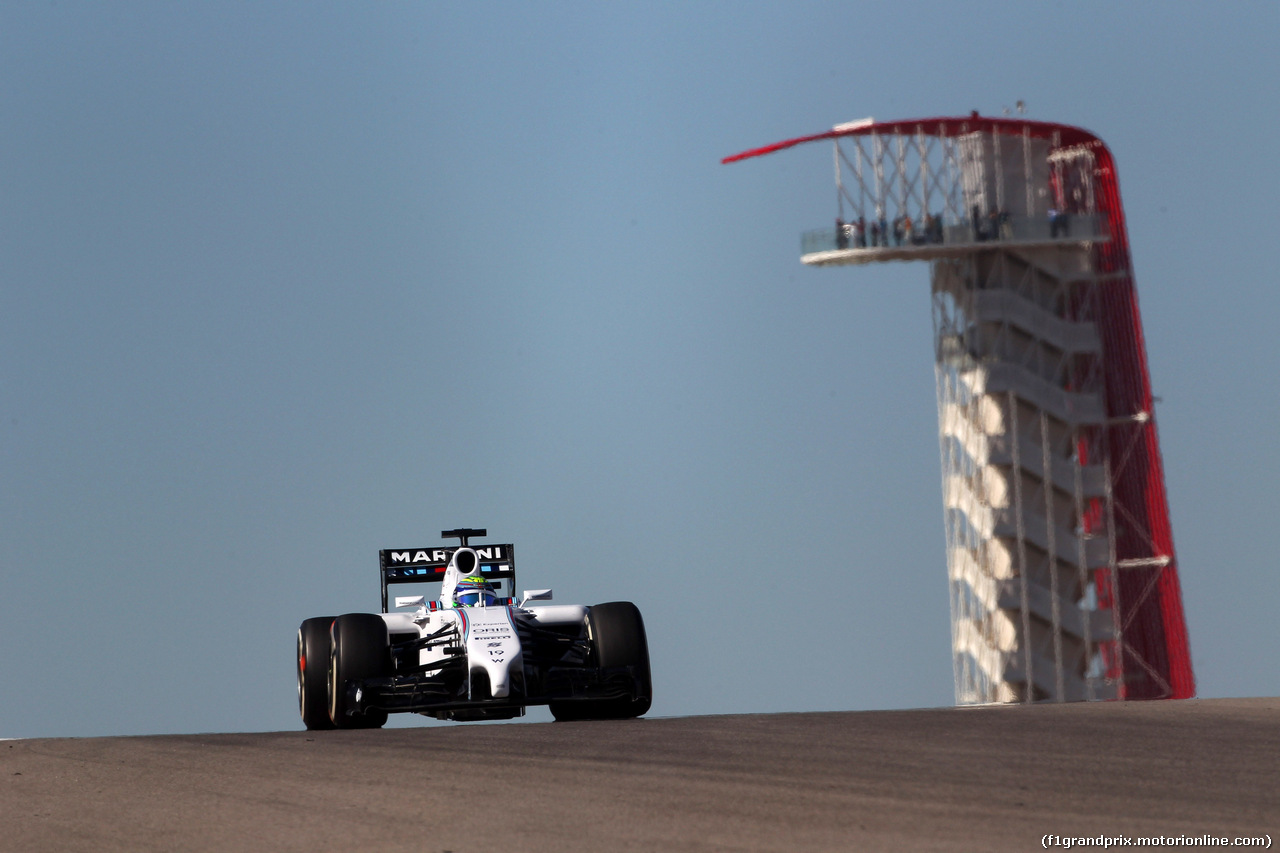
(427, 565)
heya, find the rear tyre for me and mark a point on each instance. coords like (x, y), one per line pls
(359, 649)
(313, 672)
(615, 634)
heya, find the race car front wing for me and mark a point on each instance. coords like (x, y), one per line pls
(437, 692)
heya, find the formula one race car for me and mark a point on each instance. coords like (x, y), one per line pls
(473, 653)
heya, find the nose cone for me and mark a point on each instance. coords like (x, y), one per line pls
(499, 673)
(494, 646)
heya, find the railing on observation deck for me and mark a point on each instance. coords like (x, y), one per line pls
(986, 233)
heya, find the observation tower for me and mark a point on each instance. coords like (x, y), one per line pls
(1063, 578)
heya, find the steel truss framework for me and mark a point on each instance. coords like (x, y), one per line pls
(1060, 556)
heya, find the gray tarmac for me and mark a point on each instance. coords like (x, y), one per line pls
(965, 779)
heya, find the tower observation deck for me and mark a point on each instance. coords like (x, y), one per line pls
(1063, 579)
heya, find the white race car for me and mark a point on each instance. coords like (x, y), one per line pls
(474, 653)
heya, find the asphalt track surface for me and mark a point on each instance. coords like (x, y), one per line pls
(994, 778)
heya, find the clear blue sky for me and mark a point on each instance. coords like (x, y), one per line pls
(284, 284)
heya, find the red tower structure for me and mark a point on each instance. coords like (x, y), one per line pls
(1060, 549)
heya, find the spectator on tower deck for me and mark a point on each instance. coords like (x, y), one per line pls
(975, 220)
(860, 233)
(933, 228)
(842, 235)
(884, 230)
(1059, 223)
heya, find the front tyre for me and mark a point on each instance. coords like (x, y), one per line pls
(358, 649)
(616, 637)
(313, 672)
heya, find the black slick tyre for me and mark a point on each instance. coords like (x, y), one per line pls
(615, 633)
(313, 672)
(358, 649)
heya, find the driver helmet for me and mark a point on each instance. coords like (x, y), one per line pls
(473, 591)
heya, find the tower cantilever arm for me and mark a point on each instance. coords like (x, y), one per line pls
(1066, 134)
